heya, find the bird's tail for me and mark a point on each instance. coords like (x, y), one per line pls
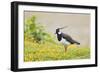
(76, 42)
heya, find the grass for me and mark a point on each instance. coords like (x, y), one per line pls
(47, 51)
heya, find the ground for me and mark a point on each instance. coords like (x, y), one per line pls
(34, 51)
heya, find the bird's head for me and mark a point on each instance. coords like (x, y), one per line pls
(57, 31)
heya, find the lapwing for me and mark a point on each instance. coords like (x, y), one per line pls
(65, 39)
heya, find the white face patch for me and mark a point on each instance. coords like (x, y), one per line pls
(59, 32)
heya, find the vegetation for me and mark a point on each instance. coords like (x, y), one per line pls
(41, 45)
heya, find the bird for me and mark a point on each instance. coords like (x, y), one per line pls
(65, 39)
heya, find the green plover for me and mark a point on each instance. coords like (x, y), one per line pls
(65, 39)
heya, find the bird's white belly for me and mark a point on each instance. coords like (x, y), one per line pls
(64, 42)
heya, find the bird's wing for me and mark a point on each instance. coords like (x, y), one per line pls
(68, 38)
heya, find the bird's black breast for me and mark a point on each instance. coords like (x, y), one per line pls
(59, 37)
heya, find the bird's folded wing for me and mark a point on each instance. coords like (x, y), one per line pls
(68, 38)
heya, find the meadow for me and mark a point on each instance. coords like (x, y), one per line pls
(39, 45)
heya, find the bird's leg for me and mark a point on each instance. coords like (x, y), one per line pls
(66, 48)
